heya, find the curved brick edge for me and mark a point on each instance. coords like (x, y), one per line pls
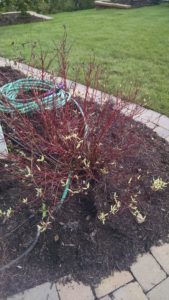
(148, 277)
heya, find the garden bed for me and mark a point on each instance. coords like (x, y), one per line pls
(13, 18)
(78, 244)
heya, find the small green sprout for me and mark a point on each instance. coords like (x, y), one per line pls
(9, 212)
(86, 163)
(43, 226)
(39, 192)
(29, 173)
(72, 136)
(86, 187)
(79, 144)
(44, 211)
(21, 153)
(115, 208)
(104, 171)
(6, 213)
(102, 217)
(135, 211)
(130, 180)
(41, 159)
(25, 200)
(158, 184)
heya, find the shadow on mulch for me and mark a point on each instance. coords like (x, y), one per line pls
(78, 244)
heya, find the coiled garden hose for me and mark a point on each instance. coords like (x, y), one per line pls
(51, 96)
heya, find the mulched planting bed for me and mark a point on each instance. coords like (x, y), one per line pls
(16, 18)
(78, 244)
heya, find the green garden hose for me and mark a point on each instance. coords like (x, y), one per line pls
(51, 96)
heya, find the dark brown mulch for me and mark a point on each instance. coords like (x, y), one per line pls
(13, 19)
(78, 244)
(9, 75)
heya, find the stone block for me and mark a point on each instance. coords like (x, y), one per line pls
(163, 122)
(150, 116)
(167, 139)
(149, 125)
(162, 132)
(160, 292)
(112, 283)
(147, 271)
(161, 254)
(74, 290)
(131, 291)
(45, 291)
(106, 298)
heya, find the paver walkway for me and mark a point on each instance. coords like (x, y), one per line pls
(147, 278)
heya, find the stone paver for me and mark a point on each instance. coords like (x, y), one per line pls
(127, 109)
(148, 115)
(45, 291)
(167, 139)
(106, 298)
(160, 292)
(163, 122)
(149, 124)
(112, 282)
(161, 254)
(147, 271)
(131, 291)
(140, 118)
(74, 291)
(162, 132)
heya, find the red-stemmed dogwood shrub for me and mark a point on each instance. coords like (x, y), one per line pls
(73, 149)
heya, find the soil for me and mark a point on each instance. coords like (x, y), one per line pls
(78, 244)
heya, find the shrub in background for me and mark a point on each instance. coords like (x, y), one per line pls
(69, 5)
(46, 6)
(19, 5)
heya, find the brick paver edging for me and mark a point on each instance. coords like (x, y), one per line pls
(148, 277)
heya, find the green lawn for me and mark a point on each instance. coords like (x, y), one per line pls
(133, 46)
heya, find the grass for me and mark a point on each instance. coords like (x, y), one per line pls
(132, 45)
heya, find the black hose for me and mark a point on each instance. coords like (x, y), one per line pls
(26, 252)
